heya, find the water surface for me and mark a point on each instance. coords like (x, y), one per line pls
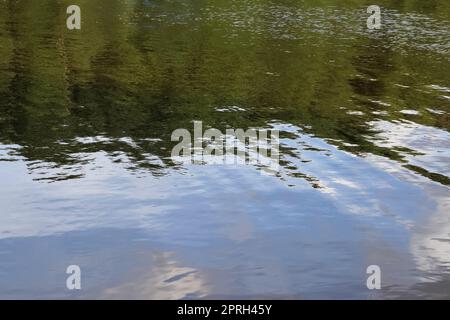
(86, 176)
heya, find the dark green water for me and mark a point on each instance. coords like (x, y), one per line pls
(86, 118)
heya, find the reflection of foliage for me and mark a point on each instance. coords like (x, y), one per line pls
(140, 69)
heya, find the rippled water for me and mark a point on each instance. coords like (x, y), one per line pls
(86, 177)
